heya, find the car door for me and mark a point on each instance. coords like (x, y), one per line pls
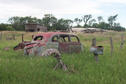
(74, 44)
(53, 42)
(69, 43)
(64, 41)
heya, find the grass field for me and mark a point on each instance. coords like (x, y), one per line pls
(15, 68)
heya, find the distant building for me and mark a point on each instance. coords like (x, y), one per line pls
(35, 28)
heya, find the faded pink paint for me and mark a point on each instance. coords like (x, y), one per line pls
(43, 41)
(47, 35)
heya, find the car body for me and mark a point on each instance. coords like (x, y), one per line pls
(63, 42)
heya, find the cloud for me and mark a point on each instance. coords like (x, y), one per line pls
(60, 8)
(8, 10)
(37, 8)
(113, 1)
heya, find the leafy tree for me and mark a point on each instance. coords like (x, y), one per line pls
(119, 28)
(4, 27)
(69, 24)
(103, 25)
(78, 21)
(16, 23)
(116, 24)
(85, 19)
(112, 19)
(9, 28)
(49, 21)
(91, 22)
(63, 24)
(100, 19)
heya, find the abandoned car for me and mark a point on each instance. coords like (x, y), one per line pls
(63, 42)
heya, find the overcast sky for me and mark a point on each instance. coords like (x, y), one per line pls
(69, 9)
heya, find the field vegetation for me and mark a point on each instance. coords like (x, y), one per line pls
(16, 68)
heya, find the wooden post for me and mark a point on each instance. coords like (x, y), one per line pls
(0, 35)
(122, 41)
(22, 37)
(93, 42)
(32, 36)
(111, 44)
(93, 45)
(13, 35)
(101, 31)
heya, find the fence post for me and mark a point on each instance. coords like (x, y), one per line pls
(122, 41)
(22, 37)
(94, 45)
(13, 35)
(93, 42)
(111, 44)
(0, 35)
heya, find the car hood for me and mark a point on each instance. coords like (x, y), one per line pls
(34, 44)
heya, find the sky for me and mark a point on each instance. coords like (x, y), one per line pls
(68, 9)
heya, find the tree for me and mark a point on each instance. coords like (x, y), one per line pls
(85, 19)
(7, 27)
(103, 25)
(116, 24)
(69, 24)
(16, 22)
(49, 21)
(111, 20)
(100, 19)
(63, 24)
(91, 22)
(78, 21)
(10, 28)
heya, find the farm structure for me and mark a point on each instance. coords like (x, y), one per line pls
(35, 28)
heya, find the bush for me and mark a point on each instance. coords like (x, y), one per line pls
(8, 27)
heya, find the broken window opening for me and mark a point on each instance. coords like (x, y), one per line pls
(61, 38)
(55, 39)
(38, 38)
(74, 38)
(64, 38)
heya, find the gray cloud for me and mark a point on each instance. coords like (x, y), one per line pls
(39, 7)
(60, 8)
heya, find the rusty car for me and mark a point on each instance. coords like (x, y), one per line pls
(63, 42)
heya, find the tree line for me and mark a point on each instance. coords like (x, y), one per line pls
(89, 21)
(53, 23)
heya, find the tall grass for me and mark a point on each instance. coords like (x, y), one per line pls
(16, 68)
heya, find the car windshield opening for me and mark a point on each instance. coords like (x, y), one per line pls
(55, 39)
(38, 38)
(64, 38)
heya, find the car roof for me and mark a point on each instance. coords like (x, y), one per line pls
(49, 34)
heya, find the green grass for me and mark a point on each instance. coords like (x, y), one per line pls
(16, 68)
